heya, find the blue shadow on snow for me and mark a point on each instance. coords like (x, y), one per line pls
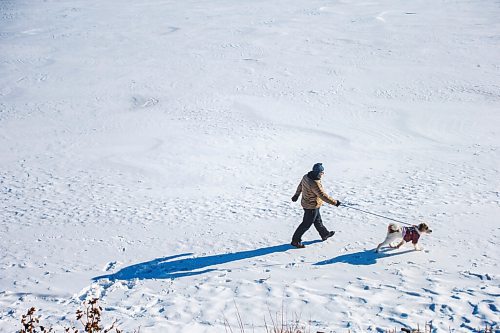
(366, 257)
(176, 266)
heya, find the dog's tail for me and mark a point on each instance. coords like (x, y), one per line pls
(393, 227)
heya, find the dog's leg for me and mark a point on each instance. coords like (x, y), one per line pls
(416, 247)
(388, 239)
(394, 238)
(400, 244)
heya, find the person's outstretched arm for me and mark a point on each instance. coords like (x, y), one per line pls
(318, 190)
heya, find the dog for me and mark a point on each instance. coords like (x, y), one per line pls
(406, 234)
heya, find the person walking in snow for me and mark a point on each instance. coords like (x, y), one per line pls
(313, 197)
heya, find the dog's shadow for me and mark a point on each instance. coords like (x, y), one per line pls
(362, 258)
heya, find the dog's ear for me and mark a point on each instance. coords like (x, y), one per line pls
(423, 227)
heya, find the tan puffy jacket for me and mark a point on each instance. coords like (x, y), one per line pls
(313, 194)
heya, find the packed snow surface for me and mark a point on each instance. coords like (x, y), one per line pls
(149, 151)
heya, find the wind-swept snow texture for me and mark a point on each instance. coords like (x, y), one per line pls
(149, 150)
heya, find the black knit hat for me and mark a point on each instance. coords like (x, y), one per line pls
(318, 167)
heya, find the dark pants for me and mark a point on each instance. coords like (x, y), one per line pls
(311, 216)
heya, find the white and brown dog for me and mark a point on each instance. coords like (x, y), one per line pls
(405, 234)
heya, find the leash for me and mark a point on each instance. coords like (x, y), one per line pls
(382, 216)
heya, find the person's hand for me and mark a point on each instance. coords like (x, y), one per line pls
(337, 203)
(295, 198)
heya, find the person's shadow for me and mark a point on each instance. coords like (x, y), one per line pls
(176, 266)
(366, 257)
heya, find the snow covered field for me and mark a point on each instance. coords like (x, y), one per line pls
(149, 150)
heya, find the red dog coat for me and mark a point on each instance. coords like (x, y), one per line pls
(410, 234)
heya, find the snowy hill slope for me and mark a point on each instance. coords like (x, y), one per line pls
(149, 150)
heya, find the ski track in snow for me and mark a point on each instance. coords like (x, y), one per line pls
(149, 152)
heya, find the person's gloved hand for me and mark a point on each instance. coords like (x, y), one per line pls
(338, 203)
(295, 198)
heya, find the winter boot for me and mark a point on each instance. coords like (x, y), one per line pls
(328, 235)
(298, 245)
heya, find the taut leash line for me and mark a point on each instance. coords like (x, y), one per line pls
(364, 211)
